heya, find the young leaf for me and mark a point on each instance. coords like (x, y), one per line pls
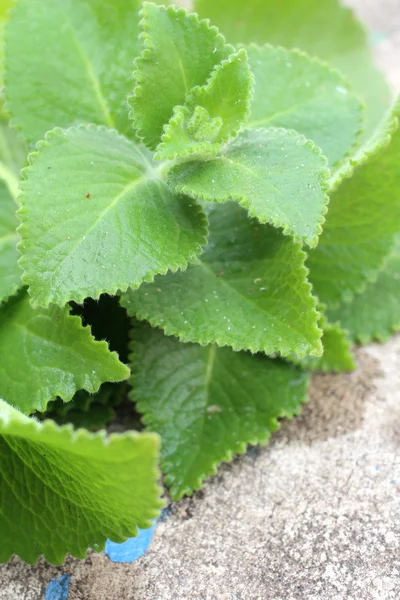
(58, 356)
(208, 403)
(69, 62)
(63, 491)
(212, 113)
(364, 215)
(374, 314)
(10, 273)
(337, 356)
(96, 218)
(180, 52)
(248, 290)
(297, 92)
(325, 29)
(278, 175)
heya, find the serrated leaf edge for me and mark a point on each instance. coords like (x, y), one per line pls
(284, 350)
(342, 80)
(244, 201)
(76, 435)
(45, 299)
(102, 345)
(147, 52)
(323, 367)
(13, 292)
(378, 143)
(176, 492)
(208, 148)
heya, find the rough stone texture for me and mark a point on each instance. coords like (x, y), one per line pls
(314, 516)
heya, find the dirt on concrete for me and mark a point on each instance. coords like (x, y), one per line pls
(314, 516)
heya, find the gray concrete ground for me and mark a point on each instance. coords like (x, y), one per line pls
(314, 516)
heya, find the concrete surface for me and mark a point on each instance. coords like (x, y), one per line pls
(314, 516)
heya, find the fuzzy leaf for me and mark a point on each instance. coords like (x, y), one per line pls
(180, 52)
(248, 290)
(364, 215)
(297, 92)
(278, 175)
(208, 403)
(337, 356)
(213, 113)
(374, 314)
(63, 491)
(70, 62)
(322, 28)
(10, 273)
(96, 218)
(47, 353)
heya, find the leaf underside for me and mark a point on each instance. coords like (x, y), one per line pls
(104, 221)
(208, 403)
(62, 491)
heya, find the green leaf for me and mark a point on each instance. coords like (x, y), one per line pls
(337, 356)
(364, 215)
(12, 158)
(321, 28)
(47, 353)
(374, 314)
(180, 52)
(278, 175)
(63, 491)
(10, 273)
(208, 403)
(248, 290)
(13, 153)
(297, 92)
(69, 62)
(91, 411)
(96, 218)
(108, 321)
(212, 113)
(4, 9)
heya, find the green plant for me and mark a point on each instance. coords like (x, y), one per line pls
(193, 198)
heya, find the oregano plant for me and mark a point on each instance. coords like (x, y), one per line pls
(197, 210)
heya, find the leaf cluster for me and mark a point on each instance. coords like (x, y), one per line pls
(189, 226)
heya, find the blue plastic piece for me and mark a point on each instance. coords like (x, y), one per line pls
(58, 589)
(131, 549)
